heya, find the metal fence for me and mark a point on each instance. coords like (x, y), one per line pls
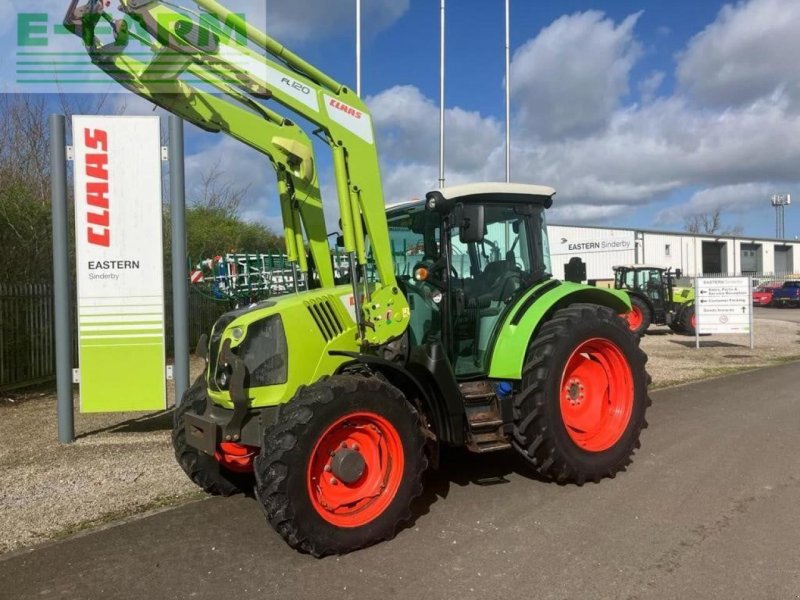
(27, 339)
(27, 344)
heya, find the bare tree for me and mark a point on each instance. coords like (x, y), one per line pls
(219, 195)
(709, 223)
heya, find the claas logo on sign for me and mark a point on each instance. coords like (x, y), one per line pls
(98, 230)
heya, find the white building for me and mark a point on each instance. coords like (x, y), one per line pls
(694, 254)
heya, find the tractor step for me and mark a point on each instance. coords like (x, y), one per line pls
(477, 392)
(491, 447)
(486, 426)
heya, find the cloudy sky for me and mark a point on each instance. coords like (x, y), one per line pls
(639, 113)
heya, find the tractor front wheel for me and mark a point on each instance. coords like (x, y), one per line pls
(340, 468)
(204, 470)
(584, 396)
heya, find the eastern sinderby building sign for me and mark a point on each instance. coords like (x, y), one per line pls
(117, 173)
(592, 242)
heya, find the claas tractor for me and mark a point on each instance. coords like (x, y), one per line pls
(332, 402)
(655, 300)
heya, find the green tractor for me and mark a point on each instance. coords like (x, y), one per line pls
(331, 403)
(655, 300)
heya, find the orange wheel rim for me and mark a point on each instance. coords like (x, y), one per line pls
(355, 469)
(635, 318)
(596, 395)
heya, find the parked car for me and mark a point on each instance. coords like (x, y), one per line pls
(762, 295)
(788, 294)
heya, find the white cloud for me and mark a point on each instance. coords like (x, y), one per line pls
(616, 158)
(568, 80)
(649, 151)
(739, 198)
(303, 20)
(749, 52)
(584, 214)
(407, 125)
(648, 87)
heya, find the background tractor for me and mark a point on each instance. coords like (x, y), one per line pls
(331, 402)
(655, 300)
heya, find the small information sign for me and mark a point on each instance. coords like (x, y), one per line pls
(724, 305)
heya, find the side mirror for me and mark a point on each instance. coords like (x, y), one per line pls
(470, 221)
(678, 273)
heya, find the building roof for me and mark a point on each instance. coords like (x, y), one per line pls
(712, 236)
(659, 267)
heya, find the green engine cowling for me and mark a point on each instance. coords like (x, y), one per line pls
(682, 295)
(285, 343)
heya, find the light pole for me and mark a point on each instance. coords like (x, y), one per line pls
(779, 202)
(508, 92)
(441, 93)
(358, 48)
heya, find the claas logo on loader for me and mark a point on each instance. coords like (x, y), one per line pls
(98, 230)
(345, 108)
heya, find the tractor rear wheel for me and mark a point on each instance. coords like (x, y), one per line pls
(688, 320)
(639, 317)
(584, 396)
(339, 469)
(206, 471)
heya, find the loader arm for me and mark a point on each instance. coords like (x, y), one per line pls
(200, 44)
(286, 145)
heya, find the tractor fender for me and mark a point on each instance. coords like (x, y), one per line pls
(523, 321)
(420, 390)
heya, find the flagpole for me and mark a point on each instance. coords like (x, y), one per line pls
(358, 48)
(508, 92)
(441, 93)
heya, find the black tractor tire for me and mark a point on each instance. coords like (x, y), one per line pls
(687, 320)
(541, 433)
(292, 446)
(675, 324)
(637, 304)
(201, 468)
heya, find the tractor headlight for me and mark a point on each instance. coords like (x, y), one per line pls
(265, 353)
(223, 379)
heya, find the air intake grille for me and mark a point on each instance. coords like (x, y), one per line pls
(325, 317)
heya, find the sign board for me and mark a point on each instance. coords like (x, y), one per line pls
(591, 242)
(724, 305)
(119, 254)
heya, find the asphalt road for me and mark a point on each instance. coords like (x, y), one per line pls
(709, 509)
(780, 314)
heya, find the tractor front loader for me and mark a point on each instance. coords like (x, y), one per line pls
(333, 401)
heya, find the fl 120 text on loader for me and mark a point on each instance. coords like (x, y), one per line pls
(333, 401)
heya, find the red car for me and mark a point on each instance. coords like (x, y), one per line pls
(762, 295)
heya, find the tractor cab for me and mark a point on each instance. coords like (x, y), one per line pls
(655, 283)
(463, 258)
